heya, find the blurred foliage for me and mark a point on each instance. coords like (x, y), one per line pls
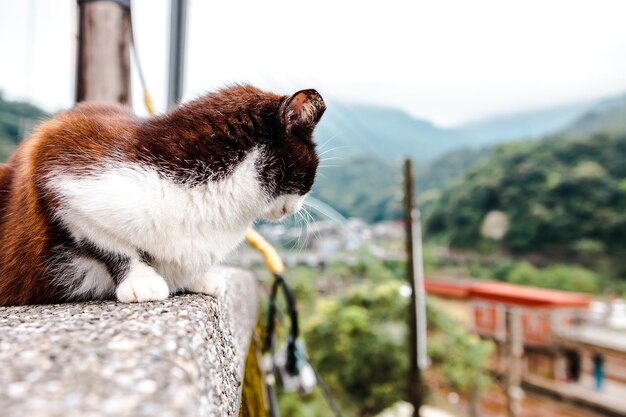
(555, 276)
(357, 339)
(560, 277)
(354, 342)
(460, 359)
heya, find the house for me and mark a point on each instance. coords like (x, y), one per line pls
(574, 348)
(542, 313)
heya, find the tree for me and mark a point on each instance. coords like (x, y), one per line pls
(357, 340)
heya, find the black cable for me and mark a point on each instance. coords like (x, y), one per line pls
(279, 283)
(292, 351)
(291, 364)
(271, 313)
(327, 395)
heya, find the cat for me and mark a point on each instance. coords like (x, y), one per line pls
(98, 203)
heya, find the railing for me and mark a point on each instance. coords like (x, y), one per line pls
(539, 325)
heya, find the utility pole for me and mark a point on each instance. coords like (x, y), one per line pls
(178, 29)
(514, 351)
(104, 39)
(414, 265)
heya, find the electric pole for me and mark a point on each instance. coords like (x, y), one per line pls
(515, 350)
(414, 271)
(178, 29)
(104, 41)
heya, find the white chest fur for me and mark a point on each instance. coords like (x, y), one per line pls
(186, 229)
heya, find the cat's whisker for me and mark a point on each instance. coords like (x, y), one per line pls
(299, 245)
(294, 241)
(331, 158)
(319, 208)
(302, 215)
(311, 220)
(331, 138)
(331, 150)
(306, 225)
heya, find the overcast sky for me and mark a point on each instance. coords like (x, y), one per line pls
(446, 61)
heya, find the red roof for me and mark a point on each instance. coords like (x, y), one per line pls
(506, 293)
(448, 288)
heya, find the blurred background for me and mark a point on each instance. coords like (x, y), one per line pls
(514, 117)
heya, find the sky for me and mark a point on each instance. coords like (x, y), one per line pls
(446, 61)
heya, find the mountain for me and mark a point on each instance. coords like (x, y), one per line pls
(607, 116)
(367, 143)
(523, 125)
(385, 133)
(390, 134)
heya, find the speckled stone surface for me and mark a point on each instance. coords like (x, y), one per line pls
(180, 357)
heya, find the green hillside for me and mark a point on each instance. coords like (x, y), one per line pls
(608, 116)
(523, 125)
(363, 187)
(562, 195)
(369, 188)
(433, 177)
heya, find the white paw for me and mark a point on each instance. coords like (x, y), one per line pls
(210, 284)
(142, 284)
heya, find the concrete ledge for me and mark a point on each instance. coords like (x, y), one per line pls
(180, 357)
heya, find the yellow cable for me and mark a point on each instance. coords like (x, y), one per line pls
(148, 102)
(272, 259)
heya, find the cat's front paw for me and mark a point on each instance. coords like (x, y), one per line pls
(142, 284)
(209, 283)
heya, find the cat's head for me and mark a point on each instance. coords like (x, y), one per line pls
(206, 137)
(292, 156)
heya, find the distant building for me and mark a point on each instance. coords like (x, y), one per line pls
(544, 314)
(574, 348)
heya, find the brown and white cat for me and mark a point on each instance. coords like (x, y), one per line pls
(98, 202)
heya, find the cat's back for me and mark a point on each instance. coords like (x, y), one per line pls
(86, 133)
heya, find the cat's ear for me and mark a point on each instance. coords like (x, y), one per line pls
(303, 109)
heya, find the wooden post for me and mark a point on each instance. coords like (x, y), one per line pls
(103, 63)
(515, 349)
(414, 380)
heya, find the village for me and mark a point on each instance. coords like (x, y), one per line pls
(569, 346)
